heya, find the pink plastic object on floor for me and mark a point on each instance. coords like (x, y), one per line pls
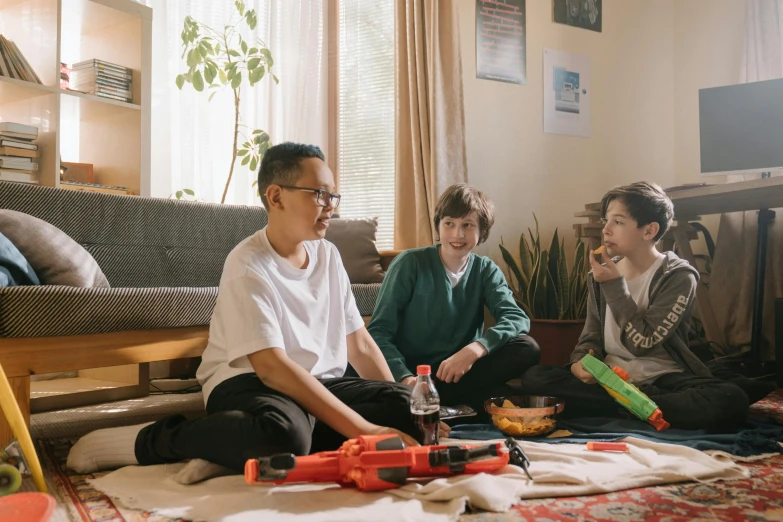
(27, 507)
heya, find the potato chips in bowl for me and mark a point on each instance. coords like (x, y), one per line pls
(524, 415)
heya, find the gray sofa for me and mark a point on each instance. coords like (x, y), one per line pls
(163, 259)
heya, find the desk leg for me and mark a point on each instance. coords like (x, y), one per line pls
(713, 332)
(765, 218)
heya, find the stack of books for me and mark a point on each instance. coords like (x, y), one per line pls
(103, 79)
(17, 152)
(13, 64)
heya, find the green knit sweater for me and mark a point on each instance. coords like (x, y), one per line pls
(420, 319)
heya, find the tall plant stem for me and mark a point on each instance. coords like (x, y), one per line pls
(234, 147)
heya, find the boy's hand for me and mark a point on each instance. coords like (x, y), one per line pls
(602, 273)
(453, 368)
(580, 373)
(410, 380)
(374, 429)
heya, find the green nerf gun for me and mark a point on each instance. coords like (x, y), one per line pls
(614, 381)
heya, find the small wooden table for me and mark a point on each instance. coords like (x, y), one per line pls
(689, 204)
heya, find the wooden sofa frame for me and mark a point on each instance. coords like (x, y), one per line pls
(23, 357)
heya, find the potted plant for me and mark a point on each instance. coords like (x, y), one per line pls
(554, 298)
(221, 58)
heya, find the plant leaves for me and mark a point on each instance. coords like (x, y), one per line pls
(209, 74)
(179, 194)
(232, 52)
(222, 76)
(242, 152)
(211, 96)
(245, 160)
(512, 265)
(256, 75)
(243, 46)
(253, 164)
(198, 81)
(253, 63)
(189, 192)
(277, 80)
(236, 80)
(180, 81)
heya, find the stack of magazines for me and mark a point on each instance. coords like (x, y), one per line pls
(103, 79)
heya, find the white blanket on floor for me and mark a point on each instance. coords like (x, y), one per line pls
(557, 470)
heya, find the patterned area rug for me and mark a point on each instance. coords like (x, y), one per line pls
(758, 498)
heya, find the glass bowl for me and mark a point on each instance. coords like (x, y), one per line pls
(524, 415)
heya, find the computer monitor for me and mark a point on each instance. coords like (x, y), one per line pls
(741, 128)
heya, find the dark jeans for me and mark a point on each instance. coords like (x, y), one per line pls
(489, 375)
(686, 400)
(246, 419)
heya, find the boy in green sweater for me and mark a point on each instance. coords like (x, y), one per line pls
(430, 309)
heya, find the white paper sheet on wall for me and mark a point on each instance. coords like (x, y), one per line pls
(567, 93)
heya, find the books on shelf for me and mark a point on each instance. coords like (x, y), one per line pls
(91, 187)
(17, 151)
(13, 64)
(16, 143)
(10, 162)
(103, 79)
(18, 176)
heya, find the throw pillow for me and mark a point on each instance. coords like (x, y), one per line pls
(14, 268)
(355, 240)
(56, 258)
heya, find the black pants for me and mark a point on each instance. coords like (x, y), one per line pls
(686, 400)
(488, 376)
(246, 419)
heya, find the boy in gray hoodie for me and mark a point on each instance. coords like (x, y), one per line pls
(639, 307)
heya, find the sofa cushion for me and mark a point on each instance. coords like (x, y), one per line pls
(49, 311)
(355, 240)
(14, 268)
(56, 258)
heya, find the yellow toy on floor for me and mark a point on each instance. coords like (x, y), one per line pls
(14, 417)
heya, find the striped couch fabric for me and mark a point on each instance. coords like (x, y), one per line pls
(162, 257)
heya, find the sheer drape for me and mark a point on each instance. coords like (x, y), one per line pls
(192, 139)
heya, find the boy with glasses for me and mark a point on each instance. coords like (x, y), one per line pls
(284, 327)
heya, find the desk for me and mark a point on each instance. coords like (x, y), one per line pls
(691, 203)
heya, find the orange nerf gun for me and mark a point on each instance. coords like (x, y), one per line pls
(378, 462)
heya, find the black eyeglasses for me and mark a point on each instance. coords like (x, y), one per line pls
(323, 197)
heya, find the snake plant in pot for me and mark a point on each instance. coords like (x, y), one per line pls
(554, 297)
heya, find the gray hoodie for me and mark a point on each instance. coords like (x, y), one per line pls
(665, 323)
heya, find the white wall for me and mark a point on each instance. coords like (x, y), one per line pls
(708, 39)
(524, 170)
(647, 66)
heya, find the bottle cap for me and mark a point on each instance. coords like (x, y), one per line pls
(423, 369)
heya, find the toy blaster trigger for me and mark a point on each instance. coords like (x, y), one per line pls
(378, 462)
(614, 381)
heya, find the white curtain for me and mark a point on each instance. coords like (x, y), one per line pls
(192, 139)
(734, 269)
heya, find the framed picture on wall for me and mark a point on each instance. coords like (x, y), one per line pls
(500, 41)
(579, 13)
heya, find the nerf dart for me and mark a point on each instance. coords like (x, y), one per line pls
(378, 462)
(607, 446)
(614, 382)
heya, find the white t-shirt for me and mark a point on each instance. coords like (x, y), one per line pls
(455, 278)
(264, 302)
(645, 369)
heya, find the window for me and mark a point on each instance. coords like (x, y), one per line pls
(365, 112)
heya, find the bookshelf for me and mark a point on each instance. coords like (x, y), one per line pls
(74, 127)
